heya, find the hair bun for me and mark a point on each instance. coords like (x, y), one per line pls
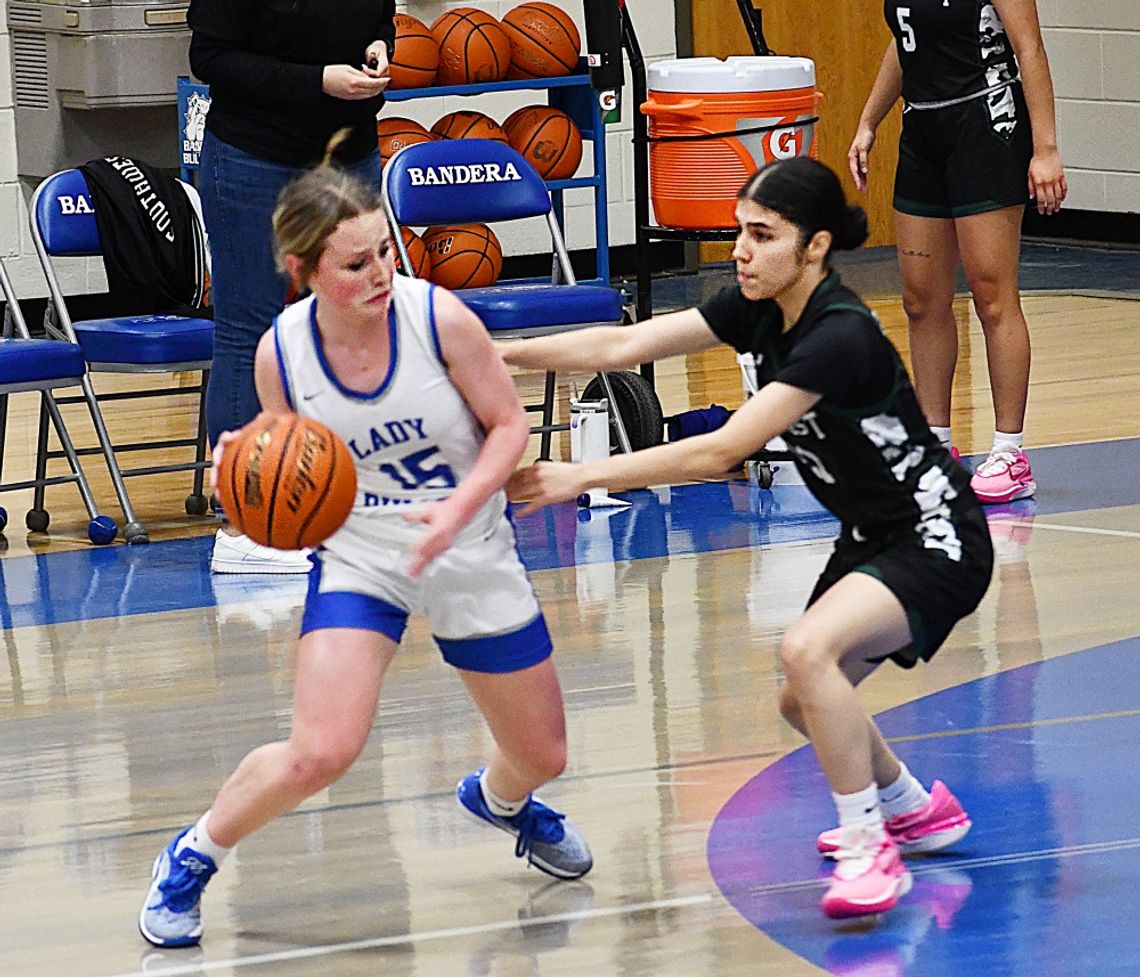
(854, 230)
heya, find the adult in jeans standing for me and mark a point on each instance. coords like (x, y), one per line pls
(284, 76)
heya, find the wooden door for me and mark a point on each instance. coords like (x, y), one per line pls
(846, 41)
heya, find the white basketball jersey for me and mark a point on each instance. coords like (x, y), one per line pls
(413, 438)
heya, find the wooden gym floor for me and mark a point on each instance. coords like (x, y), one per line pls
(134, 683)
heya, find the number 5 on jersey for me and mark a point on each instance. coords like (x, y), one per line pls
(412, 473)
(908, 41)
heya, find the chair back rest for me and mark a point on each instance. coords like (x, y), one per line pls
(462, 181)
(64, 217)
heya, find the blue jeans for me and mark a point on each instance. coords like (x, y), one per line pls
(239, 192)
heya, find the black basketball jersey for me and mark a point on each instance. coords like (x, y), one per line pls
(865, 450)
(949, 49)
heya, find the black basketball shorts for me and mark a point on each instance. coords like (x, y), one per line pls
(965, 159)
(935, 591)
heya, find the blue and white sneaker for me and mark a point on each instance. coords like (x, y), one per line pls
(171, 915)
(543, 836)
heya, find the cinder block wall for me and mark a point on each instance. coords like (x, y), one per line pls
(1094, 51)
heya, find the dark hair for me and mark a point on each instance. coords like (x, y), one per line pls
(312, 206)
(808, 194)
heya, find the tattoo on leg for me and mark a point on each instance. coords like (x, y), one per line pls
(914, 254)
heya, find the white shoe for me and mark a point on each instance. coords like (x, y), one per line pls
(240, 554)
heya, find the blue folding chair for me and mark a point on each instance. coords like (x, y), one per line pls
(466, 181)
(44, 365)
(63, 225)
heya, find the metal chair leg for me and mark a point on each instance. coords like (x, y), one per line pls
(134, 531)
(199, 473)
(72, 455)
(3, 430)
(547, 418)
(41, 455)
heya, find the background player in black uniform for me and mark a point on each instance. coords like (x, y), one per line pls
(978, 142)
(914, 555)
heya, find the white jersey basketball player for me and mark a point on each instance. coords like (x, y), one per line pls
(407, 376)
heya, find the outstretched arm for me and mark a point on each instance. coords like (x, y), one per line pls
(770, 412)
(1046, 173)
(613, 347)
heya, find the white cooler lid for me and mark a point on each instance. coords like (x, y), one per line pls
(735, 74)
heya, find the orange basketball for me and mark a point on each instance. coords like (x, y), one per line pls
(473, 47)
(468, 125)
(394, 133)
(417, 253)
(287, 481)
(464, 256)
(517, 118)
(549, 140)
(415, 60)
(544, 41)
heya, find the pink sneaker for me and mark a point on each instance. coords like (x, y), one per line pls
(938, 825)
(870, 877)
(1004, 476)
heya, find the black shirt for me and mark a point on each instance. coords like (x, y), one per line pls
(263, 61)
(949, 49)
(864, 450)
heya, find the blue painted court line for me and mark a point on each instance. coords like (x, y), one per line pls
(1043, 758)
(114, 581)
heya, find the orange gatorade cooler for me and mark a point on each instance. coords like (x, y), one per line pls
(713, 123)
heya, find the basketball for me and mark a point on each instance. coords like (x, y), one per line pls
(415, 60)
(549, 140)
(473, 47)
(417, 253)
(516, 118)
(544, 41)
(464, 256)
(287, 481)
(468, 125)
(394, 133)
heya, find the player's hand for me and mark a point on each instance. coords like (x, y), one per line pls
(216, 456)
(376, 60)
(443, 525)
(353, 84)
(543, 483)
(1047, 184)
(858, 156)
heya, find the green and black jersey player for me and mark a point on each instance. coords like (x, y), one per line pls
(979, 140)
(966, 142)
(914, 555)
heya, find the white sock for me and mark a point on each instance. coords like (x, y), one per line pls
(504, 809)
(198, 838)
(943, 435)
(860, 810)
(1004, 441)
(905, 796)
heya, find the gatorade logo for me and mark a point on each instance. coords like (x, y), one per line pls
(462, 173)
(785, 143)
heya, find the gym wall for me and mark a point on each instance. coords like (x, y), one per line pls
(1093, 45)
